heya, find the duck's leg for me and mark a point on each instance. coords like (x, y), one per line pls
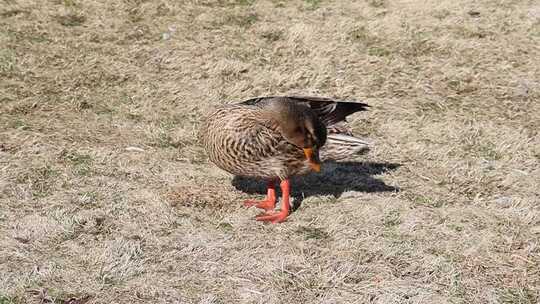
(280, 216)
(269, 203)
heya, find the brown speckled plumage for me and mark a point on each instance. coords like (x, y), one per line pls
(247, 138)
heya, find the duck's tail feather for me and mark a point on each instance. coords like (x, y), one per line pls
(342, 146)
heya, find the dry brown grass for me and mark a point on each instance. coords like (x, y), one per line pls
(87, 218)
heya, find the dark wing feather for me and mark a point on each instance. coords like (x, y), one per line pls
(256, 101)
(329, 110)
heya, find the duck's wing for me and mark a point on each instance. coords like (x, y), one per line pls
(330, 111)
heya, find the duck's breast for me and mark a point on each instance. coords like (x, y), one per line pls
(237, 140)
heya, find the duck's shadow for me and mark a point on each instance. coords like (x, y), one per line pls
(334, 179)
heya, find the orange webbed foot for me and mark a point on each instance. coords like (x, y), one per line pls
(273, 217)
(267, 204)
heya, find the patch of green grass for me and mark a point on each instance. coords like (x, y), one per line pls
(393, 236)
(237, 53)
(135, 15)
(227, 3)
(225, 226)
(107, 280)
(243, 2)
(457, 228)
(69, 3)
(489, 151)
(278, 3)
(392, 219)
(313, 4)
(79, 159)
(39, 179)
(52, 295)
(88, 197)
(13, 12)
(8, 61)
(534, 30)
(476, 147)
(272, 36)
(454, 84)
(104, 110)
(163, 10)
(84, 105)
(8, 300)
(471, 32)
(71, 19)
(378, 51)
(164, 140)
(244, 21)
(521, 295)
(312, 233)
(46, 172)
(420, 46)
(161, 137)
(362, 35)
(422, 200)
(461, 87)
(134, 117)
(19, 125)
(415, 41)
(430, 107)
(457, 289)
(82, 163)
(32, 35)
(441, 14)
(377, 3)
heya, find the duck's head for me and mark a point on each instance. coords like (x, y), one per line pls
(301, 127)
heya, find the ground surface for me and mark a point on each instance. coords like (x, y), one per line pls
(105, 196)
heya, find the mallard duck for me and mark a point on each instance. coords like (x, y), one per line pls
(277, 137)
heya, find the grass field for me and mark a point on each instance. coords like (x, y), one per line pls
(106, 196)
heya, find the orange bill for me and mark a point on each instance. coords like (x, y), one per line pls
(316, 166)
